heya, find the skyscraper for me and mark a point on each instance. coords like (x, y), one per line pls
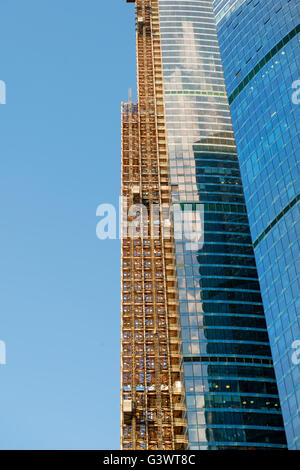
(259, 43)
(196, 365)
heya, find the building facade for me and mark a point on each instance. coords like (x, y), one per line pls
(259, 42)
(196, 365)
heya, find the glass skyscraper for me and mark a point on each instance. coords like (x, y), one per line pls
(224, 360)
(259, 42)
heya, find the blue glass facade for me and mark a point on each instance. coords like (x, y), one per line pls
(259, 42)
(231, 392)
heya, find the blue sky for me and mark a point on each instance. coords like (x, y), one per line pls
(67, 65)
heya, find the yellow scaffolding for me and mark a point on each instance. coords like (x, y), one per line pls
(153, 413)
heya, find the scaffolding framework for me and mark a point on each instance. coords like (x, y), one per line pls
(153, 413)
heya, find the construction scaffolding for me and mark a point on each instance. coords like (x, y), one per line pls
(153, 415)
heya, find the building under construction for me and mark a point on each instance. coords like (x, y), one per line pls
(196, 366)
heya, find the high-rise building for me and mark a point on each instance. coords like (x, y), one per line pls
(259, 42)
(196, 365)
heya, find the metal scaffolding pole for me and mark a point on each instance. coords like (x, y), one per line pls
(153, 414)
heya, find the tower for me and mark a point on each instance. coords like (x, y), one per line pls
(196, 365)
(259, 44)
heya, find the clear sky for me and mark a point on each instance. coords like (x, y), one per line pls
(67, 65)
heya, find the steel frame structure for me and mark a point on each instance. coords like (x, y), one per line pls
(153, 412)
